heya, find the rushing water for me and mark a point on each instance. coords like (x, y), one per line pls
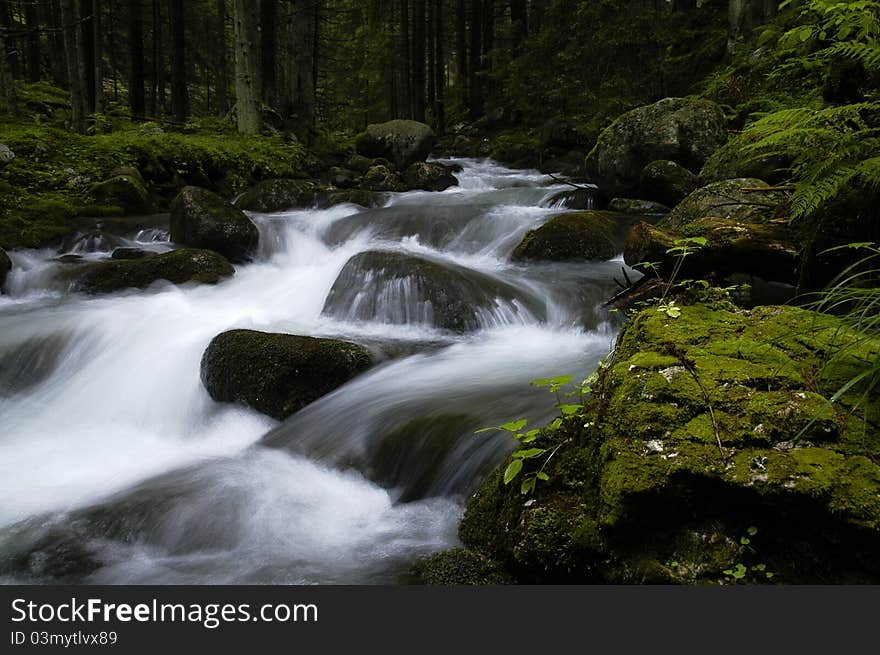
(117, 467)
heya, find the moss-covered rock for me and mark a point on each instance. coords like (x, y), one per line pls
(456, 567)
(278, 195)
(666, 182)
(736, 159)
(739, 200)
(429, 177)
(125, 191)
(402, 142)
(380, 178)
(202, 219)
(765, 250)
(5, 267)
(278, 374)
(637, 207)
(682, 130)
(708, 453)
(177, 267)
(585, 235)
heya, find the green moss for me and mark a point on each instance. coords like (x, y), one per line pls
(458, 566)
(578, 236)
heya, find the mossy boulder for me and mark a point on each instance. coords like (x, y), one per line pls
(402, 142)
(708, 453)
(666, 182)
(428, 176)
(456, 567)
(202, 219)
(588, 235)
(737, 159)
(398, 288)
(278, 195)
(741, 200)
(278, 374)
(125, 191)
(766, 250)
(6, 155)
(380, 178)
(637, 207)
(5, 266)
(177, 267)
(682, 130)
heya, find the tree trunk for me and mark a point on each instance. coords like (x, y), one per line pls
(179, 95)
(519, 25)
(7, 83)
(268, 49)
(406, 101)
(98, 65)
(56, 43)
(418, 34)
(157, 64)
(32, 17)
(295, 65)
(461, 54)
(431, 48)
(87, 34)
(72, 54)
(246, 18)
(475, 92)
(439, 69)
(222, 67)
(136, 60)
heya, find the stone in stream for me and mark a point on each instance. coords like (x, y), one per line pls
(5, 266)
(278, 195)
(399, 288)
(681, 130)
(278, 374)
(429, 176)
(403, 142)
(588, 235)
(202, 219)
(637, 207)
(177, 267)
(666, 182)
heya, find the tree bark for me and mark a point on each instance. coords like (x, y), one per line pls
(32, 18)
(268, 50)
(246, 18)
(7, 83)
(72, 54)
(461, 52)
(87, 34)
(56, 43)
(406, 100)
(98, 55)
(418, 60)
(179, 95)
(136, 101)
(221, 61)
(519, 24)
(439, 69)
(475, 92)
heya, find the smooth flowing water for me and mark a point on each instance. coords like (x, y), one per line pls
(117, 467)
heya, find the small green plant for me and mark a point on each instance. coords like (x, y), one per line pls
(682, 249)
(742, 573)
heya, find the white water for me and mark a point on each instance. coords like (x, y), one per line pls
(110, 446)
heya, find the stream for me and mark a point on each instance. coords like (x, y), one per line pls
(116, 467)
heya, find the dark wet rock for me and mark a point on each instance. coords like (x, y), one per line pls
(278, 195)
(342, 178)
(399, 288)
(5, 266)
(278, 374)
(429, 177)
(638, 207)
(131, 253)
(202, 219)
(177, 267)
(584, 198)
(681, 130)
(666, 182)
(361, 197)
(588, 235)
(402, 142)
(380, 178)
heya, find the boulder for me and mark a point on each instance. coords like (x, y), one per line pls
(6, 155)
(738, 200)
(177, 267)
(580, 198)
(278, 374)
(682, 130)
(342, 178)
(131, 253)
(402, 142)
(766, 250)
(278, 195)
(666, 182)
(126, 192)
(428, 177)
(736, 160)
(398, 288)
(362, 197)
(585, 235)
(381, 178)
(5, 266)
(456, 567)
(637, 207)
(202, 219)
(709, 457)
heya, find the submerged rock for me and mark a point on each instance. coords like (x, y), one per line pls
(202, 219)
(177, 267)
(708, 453)
(585, 235)
(429, 177)
(681, 130)
(278, 195)
(402, 142)
(399, 288)
(278, 374)
(5, 266)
